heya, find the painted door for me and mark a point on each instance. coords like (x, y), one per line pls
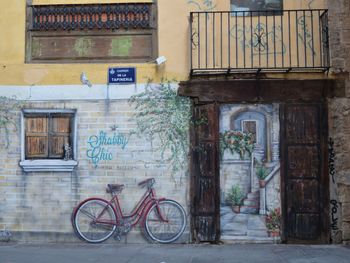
(305, 177)
(205, 174)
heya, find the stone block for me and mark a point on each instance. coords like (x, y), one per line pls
(346, 211)
(344, 193)
(343, 177)
(346, 231)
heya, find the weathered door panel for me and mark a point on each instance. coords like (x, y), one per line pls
(205, 174)
(305, 177)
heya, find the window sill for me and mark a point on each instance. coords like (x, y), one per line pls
(48, 165)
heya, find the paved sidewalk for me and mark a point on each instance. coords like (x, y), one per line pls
(86, 253)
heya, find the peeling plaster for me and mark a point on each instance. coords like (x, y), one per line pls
(34, 76)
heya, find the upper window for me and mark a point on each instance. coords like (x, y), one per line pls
(256, 5)
(48, 140)
(249, 126)
(91, 33)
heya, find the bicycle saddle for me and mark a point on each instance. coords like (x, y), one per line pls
(111, 188)
(148, 182)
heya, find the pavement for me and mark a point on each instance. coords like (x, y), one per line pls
(250, 228)
(179, 253)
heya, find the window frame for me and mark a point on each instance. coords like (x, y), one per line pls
(260, 12)
(45, 164)
(256, 128)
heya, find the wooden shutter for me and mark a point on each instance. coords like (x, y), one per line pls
(36, 137)
(305, 177)
(205, 207)
(46, 135)
(60, 130)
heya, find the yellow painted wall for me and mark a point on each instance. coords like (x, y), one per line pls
(173, 38)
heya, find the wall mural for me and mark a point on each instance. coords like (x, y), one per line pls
(310, 3)
(260, 38)
(162, 120)
(100, 146)
(8, 108)
(257, 38)
(163, 117)
(203, 5)
(250, 172)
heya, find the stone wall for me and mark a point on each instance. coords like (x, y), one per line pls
(339, 34)
(339, 150)
(38, 205)
(273, 192)
(339, 120)
(235, 173)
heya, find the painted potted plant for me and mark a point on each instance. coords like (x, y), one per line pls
(273, 222)
(235, 198)
(261, 173)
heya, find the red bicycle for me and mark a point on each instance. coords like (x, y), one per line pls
(162, 220)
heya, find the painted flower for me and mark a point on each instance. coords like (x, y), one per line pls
(236, 142)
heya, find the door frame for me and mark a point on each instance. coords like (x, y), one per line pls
(264, 91)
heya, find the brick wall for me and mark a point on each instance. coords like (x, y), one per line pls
(37, 203)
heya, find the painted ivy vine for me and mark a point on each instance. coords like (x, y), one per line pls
(163, 115)
(8, 108)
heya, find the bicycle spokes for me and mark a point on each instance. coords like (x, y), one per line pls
(165, 221)
(95, 220)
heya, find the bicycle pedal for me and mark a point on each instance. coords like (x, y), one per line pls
(117, 237)
(126, 229)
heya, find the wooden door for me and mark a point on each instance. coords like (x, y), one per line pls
(304, 173)
(205, 208)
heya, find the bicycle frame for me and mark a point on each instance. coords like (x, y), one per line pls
(138, 212)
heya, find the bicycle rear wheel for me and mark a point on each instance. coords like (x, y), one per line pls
(165, 222)
(94, 220)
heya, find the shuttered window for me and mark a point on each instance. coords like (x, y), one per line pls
(48, 136)
(250, 127)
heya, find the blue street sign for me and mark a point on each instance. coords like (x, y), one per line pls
(121, 75)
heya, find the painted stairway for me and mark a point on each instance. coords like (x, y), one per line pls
(251, 204)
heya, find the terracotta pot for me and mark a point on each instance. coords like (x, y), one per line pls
(273, 233)
(262, 183)
(236, 208)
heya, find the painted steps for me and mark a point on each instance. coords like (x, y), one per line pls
(251, 204)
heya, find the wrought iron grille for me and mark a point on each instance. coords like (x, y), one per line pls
(90, 17)
(256, 41)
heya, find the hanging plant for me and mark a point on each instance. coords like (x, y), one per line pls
(8, 108)
(162, 114)
(236, 142)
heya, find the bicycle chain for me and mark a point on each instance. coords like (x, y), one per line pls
(123, 229)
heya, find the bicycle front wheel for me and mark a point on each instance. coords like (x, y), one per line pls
(165, 222)
(94, 220)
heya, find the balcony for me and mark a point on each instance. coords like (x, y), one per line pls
(259, 41)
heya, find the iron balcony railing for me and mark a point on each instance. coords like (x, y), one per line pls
(258, 41)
